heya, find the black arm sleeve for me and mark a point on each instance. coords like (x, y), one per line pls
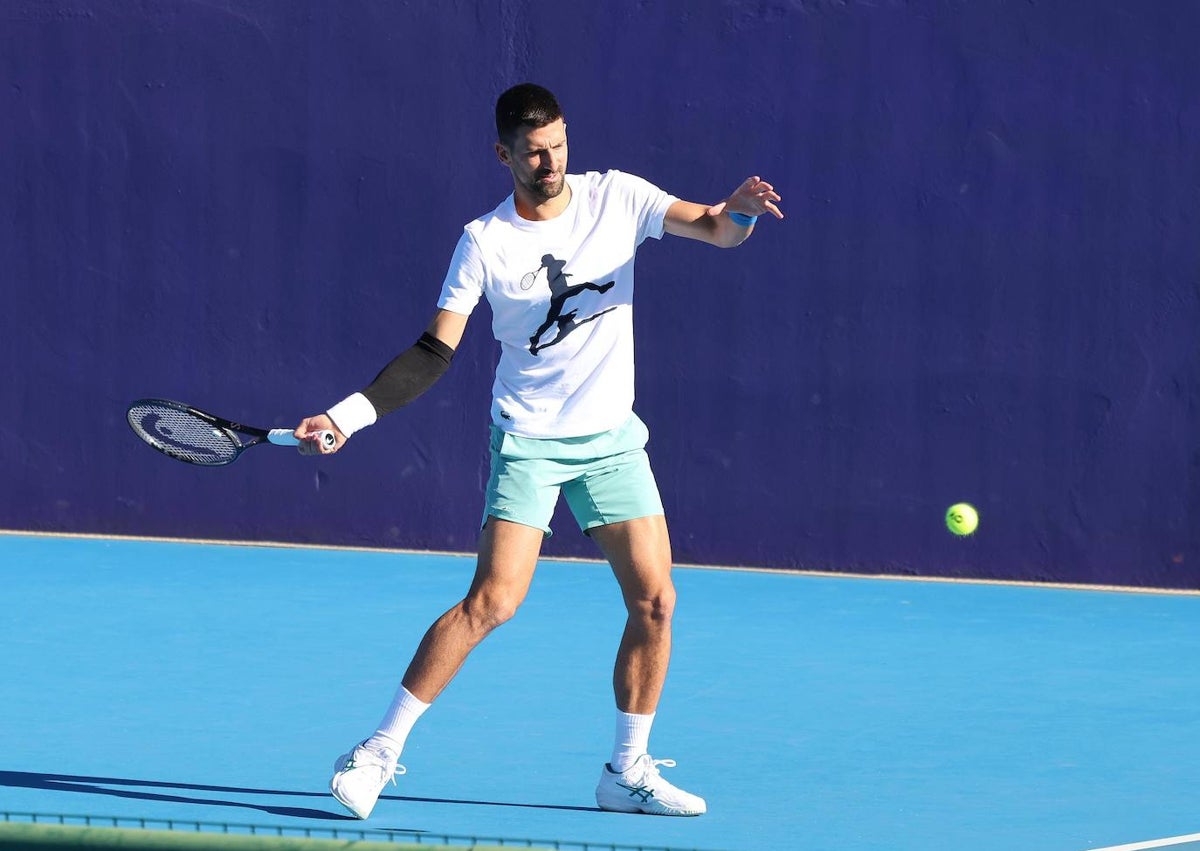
(410, 374)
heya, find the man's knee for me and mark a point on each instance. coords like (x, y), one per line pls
(655, 605)
(487, 610)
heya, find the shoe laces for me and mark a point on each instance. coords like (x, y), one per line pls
(651, 764)
(398, 771)
(379, 758)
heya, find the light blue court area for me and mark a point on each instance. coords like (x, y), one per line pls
(213, 683)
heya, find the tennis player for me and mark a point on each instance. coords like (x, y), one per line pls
(555, 261)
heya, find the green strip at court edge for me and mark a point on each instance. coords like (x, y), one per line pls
(55, 836)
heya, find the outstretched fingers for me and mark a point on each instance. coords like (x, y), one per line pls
(754, 197)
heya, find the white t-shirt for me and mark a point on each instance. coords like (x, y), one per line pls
(561, 293)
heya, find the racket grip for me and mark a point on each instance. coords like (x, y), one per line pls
(284, 437)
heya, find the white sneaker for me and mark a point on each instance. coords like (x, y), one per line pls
(359, 777)
(641, 789)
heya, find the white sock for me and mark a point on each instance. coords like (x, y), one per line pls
(398, 722)
(632, 739)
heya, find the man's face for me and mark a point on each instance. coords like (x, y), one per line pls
(538, 160)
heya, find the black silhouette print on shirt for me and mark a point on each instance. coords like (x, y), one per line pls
(560, 291)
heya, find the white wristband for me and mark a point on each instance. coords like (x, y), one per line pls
(352, 414)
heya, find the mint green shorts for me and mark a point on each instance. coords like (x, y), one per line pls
(605, 477)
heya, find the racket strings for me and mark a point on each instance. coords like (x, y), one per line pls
(183, 435)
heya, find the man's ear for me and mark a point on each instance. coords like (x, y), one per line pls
(503, 154)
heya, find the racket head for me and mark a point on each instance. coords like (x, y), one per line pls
(184, 433)
(530, 278)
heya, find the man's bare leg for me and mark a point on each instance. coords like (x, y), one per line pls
(507, 557)
(508, 554)
(640, 554)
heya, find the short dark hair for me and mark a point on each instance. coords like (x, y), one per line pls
(526, 104)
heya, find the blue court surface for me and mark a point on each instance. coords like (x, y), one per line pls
(216, 683)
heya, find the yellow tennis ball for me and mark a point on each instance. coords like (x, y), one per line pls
(962, 518)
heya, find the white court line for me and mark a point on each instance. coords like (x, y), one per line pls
(1153, 843)
(776, 571)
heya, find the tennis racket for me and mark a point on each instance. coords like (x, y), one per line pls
(530, 278)
(186, 434)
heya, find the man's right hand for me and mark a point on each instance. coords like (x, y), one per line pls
(309, 435)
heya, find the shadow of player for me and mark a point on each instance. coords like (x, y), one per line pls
(148, 790)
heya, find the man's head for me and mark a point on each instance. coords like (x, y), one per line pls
(524, 107)
(532, 141)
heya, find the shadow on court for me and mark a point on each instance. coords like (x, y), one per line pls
(99, 786)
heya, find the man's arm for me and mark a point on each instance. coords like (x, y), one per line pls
(409, 374)
(714, 224)
(448, 327)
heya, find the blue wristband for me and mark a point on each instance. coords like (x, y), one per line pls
(743, 220)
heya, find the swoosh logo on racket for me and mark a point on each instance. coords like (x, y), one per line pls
(150, 426)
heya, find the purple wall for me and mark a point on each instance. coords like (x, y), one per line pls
(986, 288)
